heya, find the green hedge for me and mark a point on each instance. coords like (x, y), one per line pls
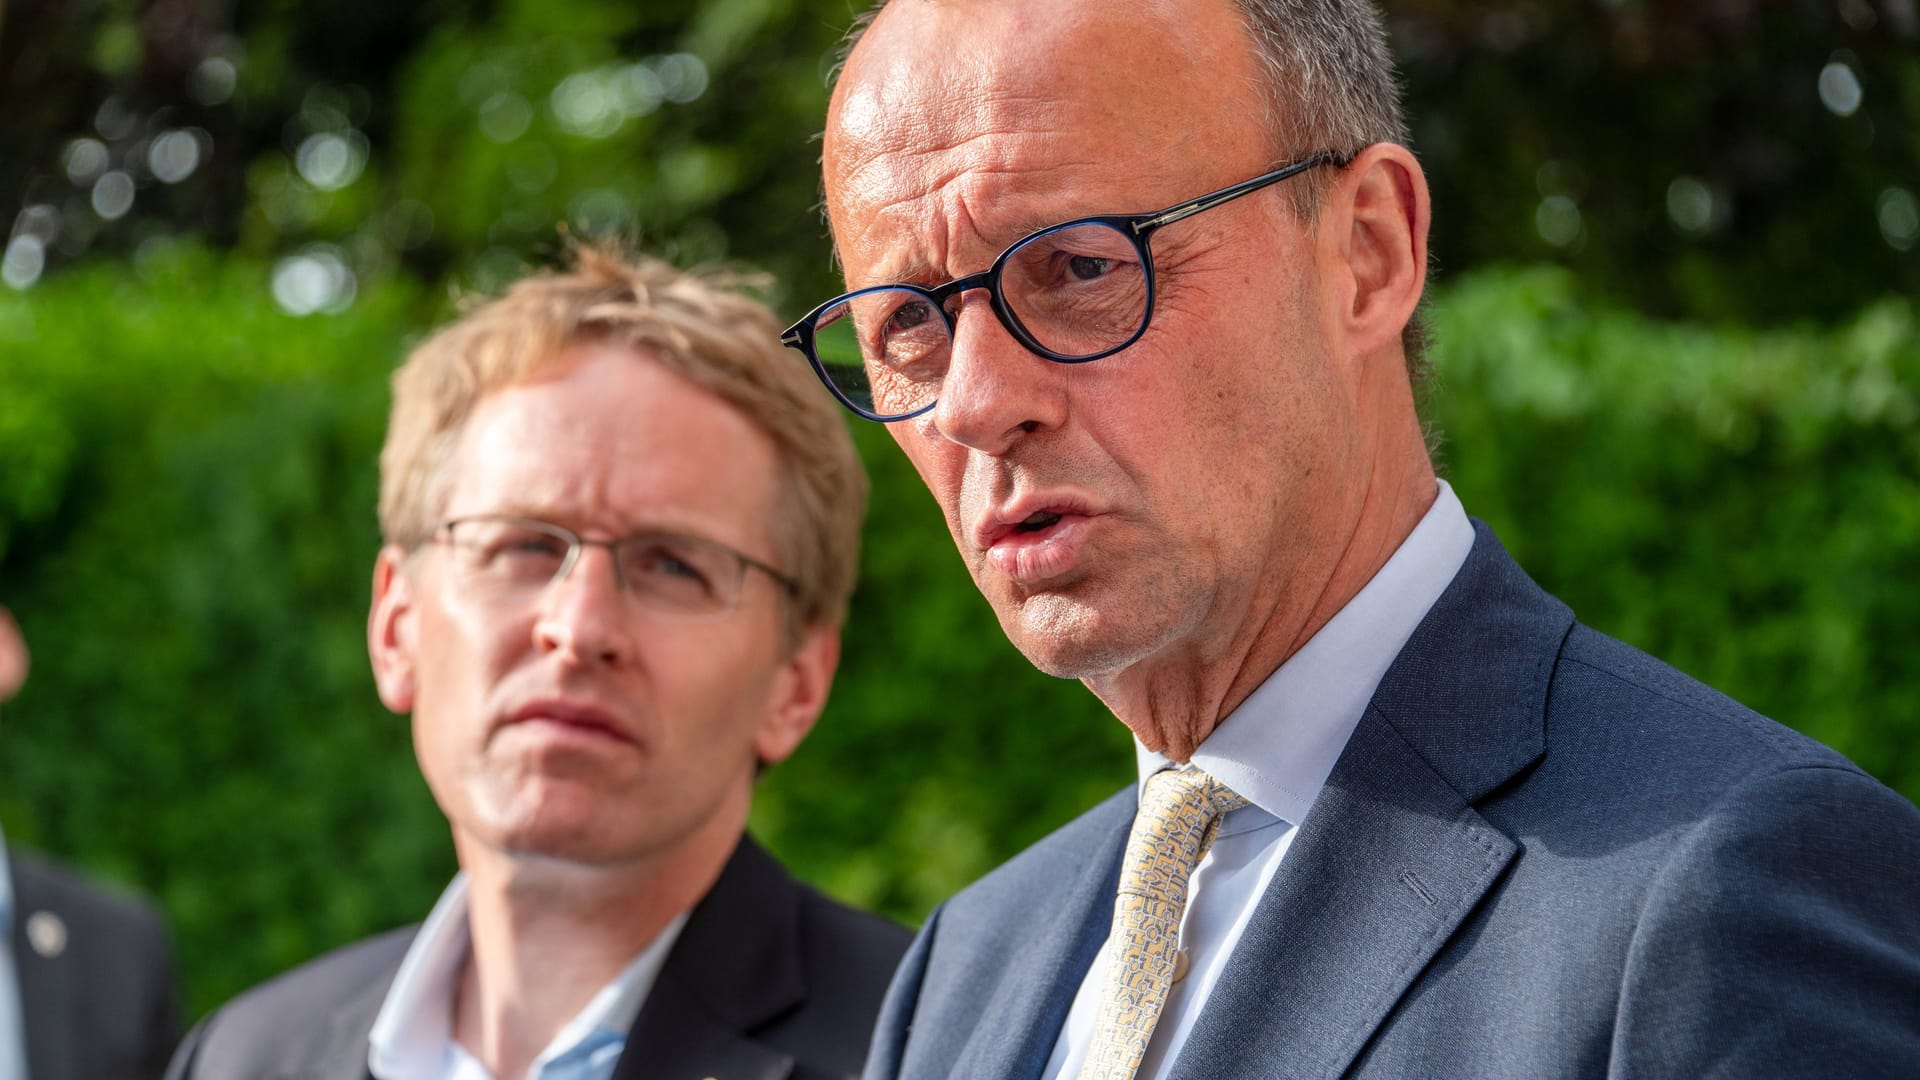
(1745, 506)
(186, 530)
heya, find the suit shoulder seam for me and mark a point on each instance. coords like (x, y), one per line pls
(1774, 735)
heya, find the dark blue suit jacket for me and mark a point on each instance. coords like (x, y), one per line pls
(769, 980)
(103, 1004)
(1542, 854)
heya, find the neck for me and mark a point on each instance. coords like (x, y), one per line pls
(548, 935)
(1174, 699)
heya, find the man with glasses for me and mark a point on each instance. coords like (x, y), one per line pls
(621, 534)
(1134, 287)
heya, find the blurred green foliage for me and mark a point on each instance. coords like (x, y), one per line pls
(187, 470)
(1691, 160)
(1743, 505)
(189, 499)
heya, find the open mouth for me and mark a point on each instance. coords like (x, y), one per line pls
(1039, 547)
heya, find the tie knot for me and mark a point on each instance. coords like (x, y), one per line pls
(1179, 813)
(1187, 792)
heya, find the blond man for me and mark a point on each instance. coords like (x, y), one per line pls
(621, 532)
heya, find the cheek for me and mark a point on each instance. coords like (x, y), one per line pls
(941, 465)
(711, 696)
(460, 657)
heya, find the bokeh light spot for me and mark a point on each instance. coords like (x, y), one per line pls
(1690, 204)
(683, 77)
(112, 195)
(638, 90)
(505, 117)
(1899, 216)
(1557, 219)
(84, 161)
(113, 121)
(41, 220)
(584, 104)
(316, 280)
(213, 80)
(173, 156)
(25, 260)
(331, 161)
(1840, 89)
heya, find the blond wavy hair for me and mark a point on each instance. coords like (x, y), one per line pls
(694, 324)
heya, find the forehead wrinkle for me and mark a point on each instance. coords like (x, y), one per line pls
(892, 134)
(926, 99)
(956, 211)
(955, 239)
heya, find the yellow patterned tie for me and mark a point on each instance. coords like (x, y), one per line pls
(1179, 813)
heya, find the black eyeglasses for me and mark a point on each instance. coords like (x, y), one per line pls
(1072, 292)
(512, 560)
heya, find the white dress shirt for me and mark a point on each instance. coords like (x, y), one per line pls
(13, 1031)
(412, 1038)
(1276, 751)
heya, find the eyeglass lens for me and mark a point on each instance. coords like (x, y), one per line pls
(1077, 291)
(515, 561)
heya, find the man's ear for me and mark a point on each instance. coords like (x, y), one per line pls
(799, 693)
(1373, 246)
(391, 633)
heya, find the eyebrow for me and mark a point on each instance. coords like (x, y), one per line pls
(653, 526)
(914, 270)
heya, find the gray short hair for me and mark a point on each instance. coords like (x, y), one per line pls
(1329, 84)
(1327, 65)
(1329, 77)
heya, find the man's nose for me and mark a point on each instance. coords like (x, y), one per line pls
(585, 614)
(996, 390)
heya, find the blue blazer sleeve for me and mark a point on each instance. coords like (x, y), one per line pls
(1782, 938)
(896, 1011)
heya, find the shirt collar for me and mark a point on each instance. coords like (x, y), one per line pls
(1278, 747)
(413, 1033)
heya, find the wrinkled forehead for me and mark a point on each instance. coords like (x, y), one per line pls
(941, 93)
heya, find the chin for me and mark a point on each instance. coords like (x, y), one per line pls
(1073, 639)
(566, 822)
(581, 843)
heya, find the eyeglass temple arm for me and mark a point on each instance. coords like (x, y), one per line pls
(1207, 202)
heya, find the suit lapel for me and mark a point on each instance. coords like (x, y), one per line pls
(1015, 1036)
(1386, 865)
(46, 990)
(342, 1051)
(676, 1037)
(1392, 857)
(736, 966)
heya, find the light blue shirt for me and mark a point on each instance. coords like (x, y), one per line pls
(13, 1030)
(412, 1038)
(1277, 750)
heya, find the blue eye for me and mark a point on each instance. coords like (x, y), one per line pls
(667, 564)
(659, 565)
(535, 545)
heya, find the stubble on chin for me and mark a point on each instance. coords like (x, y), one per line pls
(1087, 633)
